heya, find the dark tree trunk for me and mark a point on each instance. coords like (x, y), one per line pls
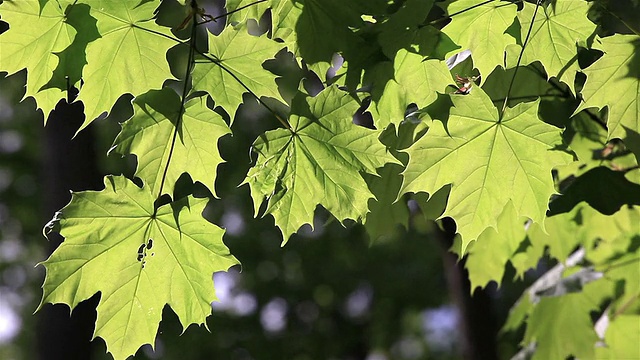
(478, 327)
(69, 164)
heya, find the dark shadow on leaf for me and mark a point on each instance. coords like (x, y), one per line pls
(440, 109)
(586, 57)
(183, 187)
(300, 107)
(433, 207)
(549, 3)
(615, 16)
(400, 138)
(632, 142)
(387, 212)
(73, 59)
(566, 67)
(368, 34)
(176, 207)
(285, 65)
(634, 64)
(602, 188)
(161, 201)
(362, 117)
(585, 127)
(634, 244)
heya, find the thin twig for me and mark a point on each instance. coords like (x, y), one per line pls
(622, 263)
(231, 12)
(524, 97)
(273, 112)
(515, 72)
(445, 17)
(625, 306)
(185, 90)
(218, 63)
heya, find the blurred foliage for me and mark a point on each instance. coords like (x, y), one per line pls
(20, 215)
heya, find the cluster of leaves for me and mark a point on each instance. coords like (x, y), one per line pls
(493, 158)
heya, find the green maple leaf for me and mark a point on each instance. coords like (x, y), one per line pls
(518, 314)
(71, 60)
(606, 236)
(129, 58)
(489, 254)
(481, 29)
(585, 138)
(614, 81)
(319, 162)
(149, 133)
(385, 212)
(325, 27)
(561, 326)
(530, 84)
(415, 81)
(284, 16)
(621, 339)
(612, 244)
(487, 161)
(559, 234)
(242, 54)
(249, 9)
(405, 29)
(556, 33)
(527, 259)
(107, 249)
(34, 37)
(622, 268)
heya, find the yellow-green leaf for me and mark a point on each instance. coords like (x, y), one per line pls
(137, 259)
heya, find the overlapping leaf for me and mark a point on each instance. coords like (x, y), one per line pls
(284, 16)
(608, 237)
(621, 339)
(405, 29)
(242, 55)
(317, 163)
(561, 326)
(34, 38)
(489, 254)
(481, 28)
(129, 58)
(614, 81)
(608, 243)
(605, 237)
(149, 135)
(240, 10)
(385, 212)
(623, 270)
(137, 259)
(488, 162)
(415, 81)
(325, 27)
(556, 33)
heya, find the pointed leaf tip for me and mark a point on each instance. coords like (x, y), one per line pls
(319, 164)
(166, 258)
(488, 162)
